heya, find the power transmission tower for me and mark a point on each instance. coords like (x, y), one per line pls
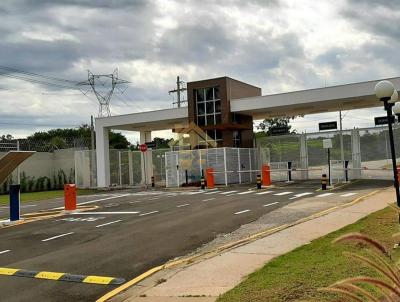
(103, 86)
(178, 91)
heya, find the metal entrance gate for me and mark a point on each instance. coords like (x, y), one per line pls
(231, 165)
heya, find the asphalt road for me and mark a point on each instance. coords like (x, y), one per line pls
(130, 233)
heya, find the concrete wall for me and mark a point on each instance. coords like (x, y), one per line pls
(47, 164)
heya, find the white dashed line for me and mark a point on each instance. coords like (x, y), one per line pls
(104, 224)
(5, 251)
(208, 199)
(228, 192)
(348, 194)
(148, 213)
(183, 205)
(241, 212)
(58, 236)
(301, 195)
(270, 204)
(324, 195)
(102, 199)
(265, 192)
(104, 213)
(283, 193)
(208, 193)
(245, 192)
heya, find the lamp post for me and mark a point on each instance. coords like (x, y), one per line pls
(386, 93)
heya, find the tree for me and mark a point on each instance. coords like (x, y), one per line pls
(69, 137)
(162, 143)
(276, 122)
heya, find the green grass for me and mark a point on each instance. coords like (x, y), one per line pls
(35, 196)
(297, 275)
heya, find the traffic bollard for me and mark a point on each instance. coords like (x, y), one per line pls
(14, 202)
(210, 178)
(258, 181)
(266, 175)
(70, 197)
(203, 183)
(152, 182)
(324, 181)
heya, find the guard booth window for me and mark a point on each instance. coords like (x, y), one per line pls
(208, 105)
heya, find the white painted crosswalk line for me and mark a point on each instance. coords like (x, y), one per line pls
(5, 251)
(228, 192)
(283, 193)
(241, 212)
(348, 194)
(265, 192)
(325, 195)
(301, 195)
(270, 204)
(182, 205)
(245, 192)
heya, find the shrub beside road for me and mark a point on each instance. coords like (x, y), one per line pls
(297, 275)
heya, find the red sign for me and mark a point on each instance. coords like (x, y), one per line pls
(143, 147)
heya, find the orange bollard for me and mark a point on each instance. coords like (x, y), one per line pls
(70, 197)
(266, 175)
(210, 178)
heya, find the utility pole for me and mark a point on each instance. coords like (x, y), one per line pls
(178, 91)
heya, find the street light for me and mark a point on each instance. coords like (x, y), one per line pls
(386, 93)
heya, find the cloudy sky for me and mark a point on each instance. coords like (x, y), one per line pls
(278, 45)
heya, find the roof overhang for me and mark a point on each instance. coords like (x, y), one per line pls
(328, 99)
(147, 121)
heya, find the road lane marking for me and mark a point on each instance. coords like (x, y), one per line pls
(103, 213)
(348, 194)
(148, 213)
(108, 223)
(241, 212)
(208, 199)
(60, 276)
(245, 192)
(265, 192)
(183, 205)
(58, 236)
(5, 251)
(230, 195)
(300, 195)
(208, 193)
(283, 193)
(228, 192)
(102, 199)
(194, 193)
(324, 195)
(270, 204)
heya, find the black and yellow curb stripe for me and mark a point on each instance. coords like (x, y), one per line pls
(60, 276)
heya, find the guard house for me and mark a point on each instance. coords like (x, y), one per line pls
(209, 108)
(224, 108)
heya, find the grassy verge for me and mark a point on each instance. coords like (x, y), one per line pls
(35, 196)
(297, 275)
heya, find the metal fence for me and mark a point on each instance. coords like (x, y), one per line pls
(366, 150)
(230, 165)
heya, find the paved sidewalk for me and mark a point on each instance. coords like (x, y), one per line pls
(206, 280)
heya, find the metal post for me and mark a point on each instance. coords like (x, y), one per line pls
(239, 166)
(178, 91)
(186, 177)
(388, 107)
(251, 176)
(120, 168)
(289, 165)
(329, 167)
(341, 137)
(226, 175)
(91, 153)
(346, 170)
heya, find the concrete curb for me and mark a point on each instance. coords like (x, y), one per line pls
(205, 255)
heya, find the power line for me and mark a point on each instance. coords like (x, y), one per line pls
(36, 74)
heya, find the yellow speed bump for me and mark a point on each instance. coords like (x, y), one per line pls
(49, 275)
(60, 276)
(98, 280)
